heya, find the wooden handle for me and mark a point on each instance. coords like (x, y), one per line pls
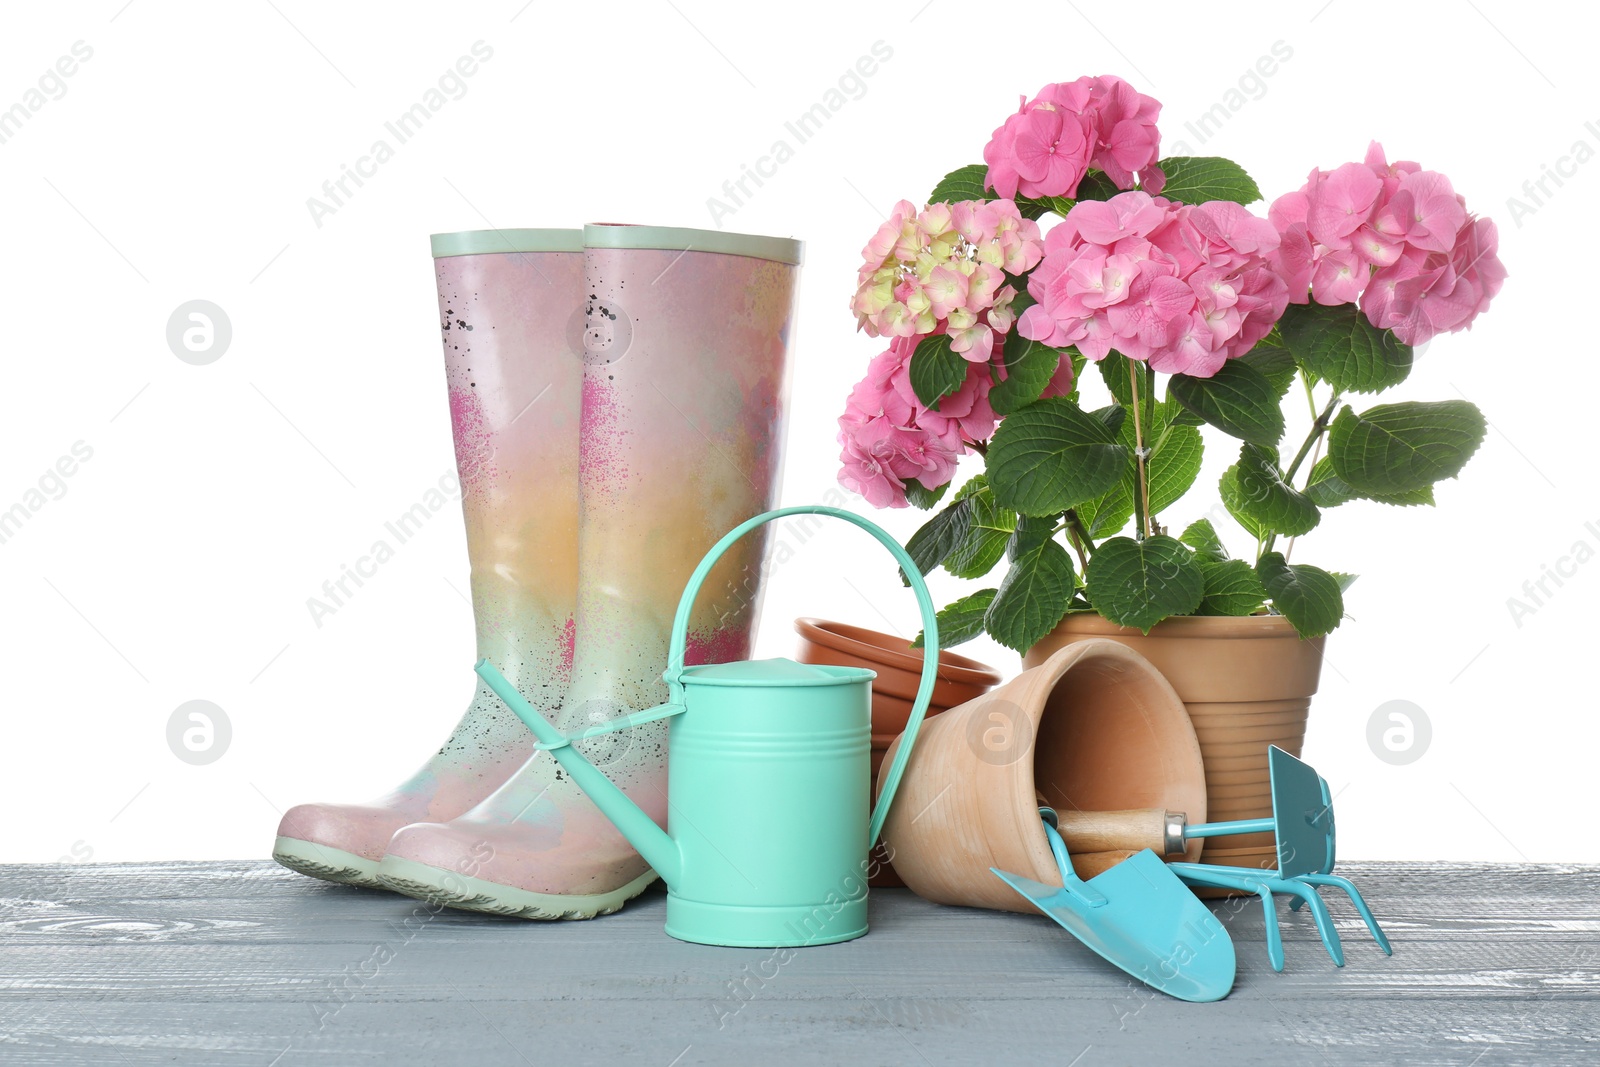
(1088, 864)
(1114, 831)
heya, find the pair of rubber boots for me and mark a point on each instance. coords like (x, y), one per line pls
(617, 395)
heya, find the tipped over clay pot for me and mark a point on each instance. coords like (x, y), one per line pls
(899, 671)
(1247, 683)
(1092, 728)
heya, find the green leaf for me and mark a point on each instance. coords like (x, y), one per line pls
(978, 483)
(939, 536)
(1341, 347)
(1401, 448)
(1114, 372)
(1029, 367)
(1139, 583)
(1232, 499)
(1263, 495)
(1096, 186)
(988, 529)
(1093, 186)
(1033, 596)
(961, 620)
(1108, 513)
(1050, 456)
(1196, 179)
(1328, 490)
(1345, 580)
(1028, 209)
(1274, 361)
(1307, 596)
(1030, 530)
(1019, 303)
(1238, 400)
(1232, 588)
(1035, 207)
(1172, 467)
(1181, 415)
(963, 183)
(936, 372)
(1113, 416)
(921, 497)
(1201, 536)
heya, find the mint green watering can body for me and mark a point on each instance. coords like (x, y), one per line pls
(768, 761)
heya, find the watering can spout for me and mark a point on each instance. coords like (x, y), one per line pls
(765, 737)
(658, 849)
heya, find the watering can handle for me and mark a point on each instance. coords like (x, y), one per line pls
(930, 635)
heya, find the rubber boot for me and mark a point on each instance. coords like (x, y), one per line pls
(510, 304)
(684, 385)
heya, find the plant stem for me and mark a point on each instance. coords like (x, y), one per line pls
(1316, 451)
(1075, 524)
(1319, 426)
(1077, 547)
(1142, 500)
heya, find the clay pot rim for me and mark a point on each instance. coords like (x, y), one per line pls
(875, 646)
(1224, 626)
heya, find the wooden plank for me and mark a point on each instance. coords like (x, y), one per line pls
(245, 962)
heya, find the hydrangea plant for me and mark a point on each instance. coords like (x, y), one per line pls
(1203, 320)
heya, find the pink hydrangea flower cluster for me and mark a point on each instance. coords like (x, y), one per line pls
(1181, 287)
(1047, 147)
(890, 438)
(1394, 237)
(943, 270)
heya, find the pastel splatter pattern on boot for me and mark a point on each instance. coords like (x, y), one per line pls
(474, 440)
(683, 397)
(513, 377)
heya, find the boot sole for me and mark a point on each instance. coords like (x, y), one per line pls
(438, 886)
(326, 862)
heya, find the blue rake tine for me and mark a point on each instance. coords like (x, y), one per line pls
(1252, 880)
(1211, 876)
(1319, 912)
(1303, 828)
(1274, 936)
(1356, 899)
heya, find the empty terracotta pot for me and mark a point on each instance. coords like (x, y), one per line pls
(899, 670)
(1092, 728)
(899, 666)
(1247, 683)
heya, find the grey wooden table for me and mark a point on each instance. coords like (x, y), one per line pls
(246, 963)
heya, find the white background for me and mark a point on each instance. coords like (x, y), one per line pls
(178, 562)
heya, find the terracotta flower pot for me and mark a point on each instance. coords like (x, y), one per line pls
(899, 670)
(1247, 683)
(1092, 728)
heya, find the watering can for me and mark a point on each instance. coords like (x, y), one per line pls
(767, 835)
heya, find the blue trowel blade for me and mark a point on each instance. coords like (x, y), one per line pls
(1151, 926)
